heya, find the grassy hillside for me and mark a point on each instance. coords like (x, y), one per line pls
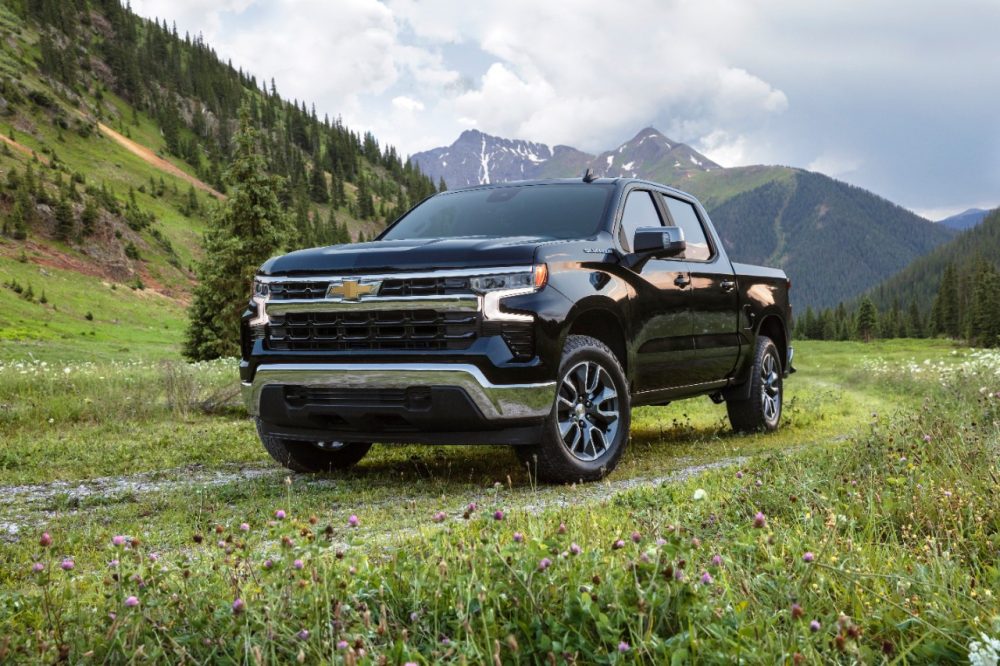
(144, 146)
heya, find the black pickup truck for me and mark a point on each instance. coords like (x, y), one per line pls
(534, 314)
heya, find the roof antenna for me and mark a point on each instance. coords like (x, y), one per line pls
(588, 175)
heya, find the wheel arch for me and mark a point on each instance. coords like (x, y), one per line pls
(604, 324)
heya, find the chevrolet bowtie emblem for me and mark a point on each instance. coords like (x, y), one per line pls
(350, 290)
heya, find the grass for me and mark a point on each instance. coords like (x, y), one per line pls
(904, 532)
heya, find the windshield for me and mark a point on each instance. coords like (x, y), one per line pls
(549, 211)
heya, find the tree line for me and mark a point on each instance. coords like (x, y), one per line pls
(966, 307)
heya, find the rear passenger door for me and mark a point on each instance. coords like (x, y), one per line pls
(714, 301)
(661, 315)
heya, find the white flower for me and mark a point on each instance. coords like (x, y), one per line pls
(985, 653)
(700, 494)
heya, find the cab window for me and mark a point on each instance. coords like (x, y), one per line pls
(640, 211)
(685, 217)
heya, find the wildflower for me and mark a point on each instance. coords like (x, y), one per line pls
(68, 564)
(445, 640)
(279, 514)
(562, 528)
(759, 520)
(439, 517)
(303, 635)
(695, 542)
(298, 564)
(544, 564)
(342, 645)
(678, 575)
(518, 537)
(814, 626)
(618, 544)
(38, 567)
(498, 515)
(758, 483)
(238, 606)
(706, 578)
(221, 543)
(132, 602)
(700, 494)
(660, 541)
(45, 541)
(624, 647)
(118, 540)
(717, 560)
(472, 507)
(985, 652)
(244, 527)
(574, 549)
(153, 557)
(739, 475)
(113, 564)
(353, 521)
(414, 616)
(797, 611)
(636, 537)
(927, 439)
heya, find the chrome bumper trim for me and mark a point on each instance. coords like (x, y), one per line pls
(375, 303)
(495, 401)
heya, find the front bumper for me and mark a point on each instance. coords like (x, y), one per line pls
(496, 403)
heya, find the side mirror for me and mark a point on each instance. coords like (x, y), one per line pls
(659, 241)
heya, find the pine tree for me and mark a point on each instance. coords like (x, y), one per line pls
(867, 325)
(984, 310)
(248, 228)
(442, 187)
(88, 218)
(317, 183)
(949, 320)
(64, 219)
(914, 323)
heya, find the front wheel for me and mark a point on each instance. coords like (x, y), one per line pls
(761, 411)
(586, 432)
(309, 456)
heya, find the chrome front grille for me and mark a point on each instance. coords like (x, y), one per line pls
(402, 330)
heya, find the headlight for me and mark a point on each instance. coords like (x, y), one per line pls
(533, 279)
(261, 291)
(496, 287)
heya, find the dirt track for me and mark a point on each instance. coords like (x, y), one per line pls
(155, 160)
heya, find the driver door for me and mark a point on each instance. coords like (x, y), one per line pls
(660, 305)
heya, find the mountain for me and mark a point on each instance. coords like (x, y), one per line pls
(919, 281)
(116, 135)
(964, 220)
(476, 158)
(834, 240)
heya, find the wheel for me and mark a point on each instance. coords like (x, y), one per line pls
(585, 434)
(762, 410)
(305, 456)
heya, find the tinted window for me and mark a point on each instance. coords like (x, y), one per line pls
(640, 211)
(686, 218)
(548, 211)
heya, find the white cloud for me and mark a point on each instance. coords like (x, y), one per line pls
(887, 93)
(835, 165)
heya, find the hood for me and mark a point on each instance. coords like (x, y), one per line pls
(406, 255)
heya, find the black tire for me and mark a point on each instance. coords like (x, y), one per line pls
(305, 456)
(761, 412)
(601, 441)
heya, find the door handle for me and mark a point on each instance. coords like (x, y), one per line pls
(728, 285)
(682, 281)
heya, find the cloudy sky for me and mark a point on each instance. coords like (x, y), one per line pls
(901, 97)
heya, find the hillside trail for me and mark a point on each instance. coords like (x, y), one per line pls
(154, 160)
(21, 148)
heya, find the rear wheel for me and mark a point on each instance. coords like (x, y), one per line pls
(311, 456)
(586, 432)
(761, 411)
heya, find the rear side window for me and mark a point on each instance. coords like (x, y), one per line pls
(686, 218)
(640, 211)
